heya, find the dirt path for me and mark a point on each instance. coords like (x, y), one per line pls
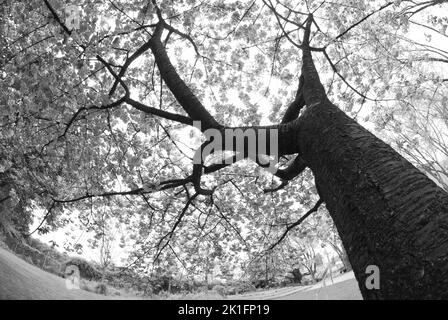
(343, 287)
(21, 280)
(344, 290)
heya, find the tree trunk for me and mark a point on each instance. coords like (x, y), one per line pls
(345, 260)
(342, 254)
(387, 212)
(266, 271)
(313, 273)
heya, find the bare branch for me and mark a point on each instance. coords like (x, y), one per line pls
(198, 164)
(363, 19)
(43, 220)
(170, 234)
(335, 70)
(56, 17)
(298, 222)
(126, 65)
(117, 77)
(75, 116)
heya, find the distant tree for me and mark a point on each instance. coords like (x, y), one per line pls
(296, 275)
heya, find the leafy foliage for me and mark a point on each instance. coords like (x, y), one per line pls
(72, 142)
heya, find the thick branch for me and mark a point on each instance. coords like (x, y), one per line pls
(126, 65)
(183, 35)
(117, 77)
(246, 142)
(296, 167)
(313, 90)
(186, 98)
(289, 173)
(293, 110)
(142, 107)
(198, 164)
(56, 17)
(160, 113)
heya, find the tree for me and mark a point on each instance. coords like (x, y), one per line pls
(387, 212)
(268, 270)
(297, 275)
(326, 232)
(308, 259)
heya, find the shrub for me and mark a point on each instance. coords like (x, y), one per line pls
(101, 288)
(244, 287)
(86, 270)
(111, 291)
(189, 296)
(87, 285)
(230, 291)
(220, 289)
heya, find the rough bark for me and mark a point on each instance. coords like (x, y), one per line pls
(387, 212)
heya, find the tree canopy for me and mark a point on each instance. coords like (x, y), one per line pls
(97, 121)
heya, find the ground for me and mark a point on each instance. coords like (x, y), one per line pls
(20, 280)
(343, 287)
